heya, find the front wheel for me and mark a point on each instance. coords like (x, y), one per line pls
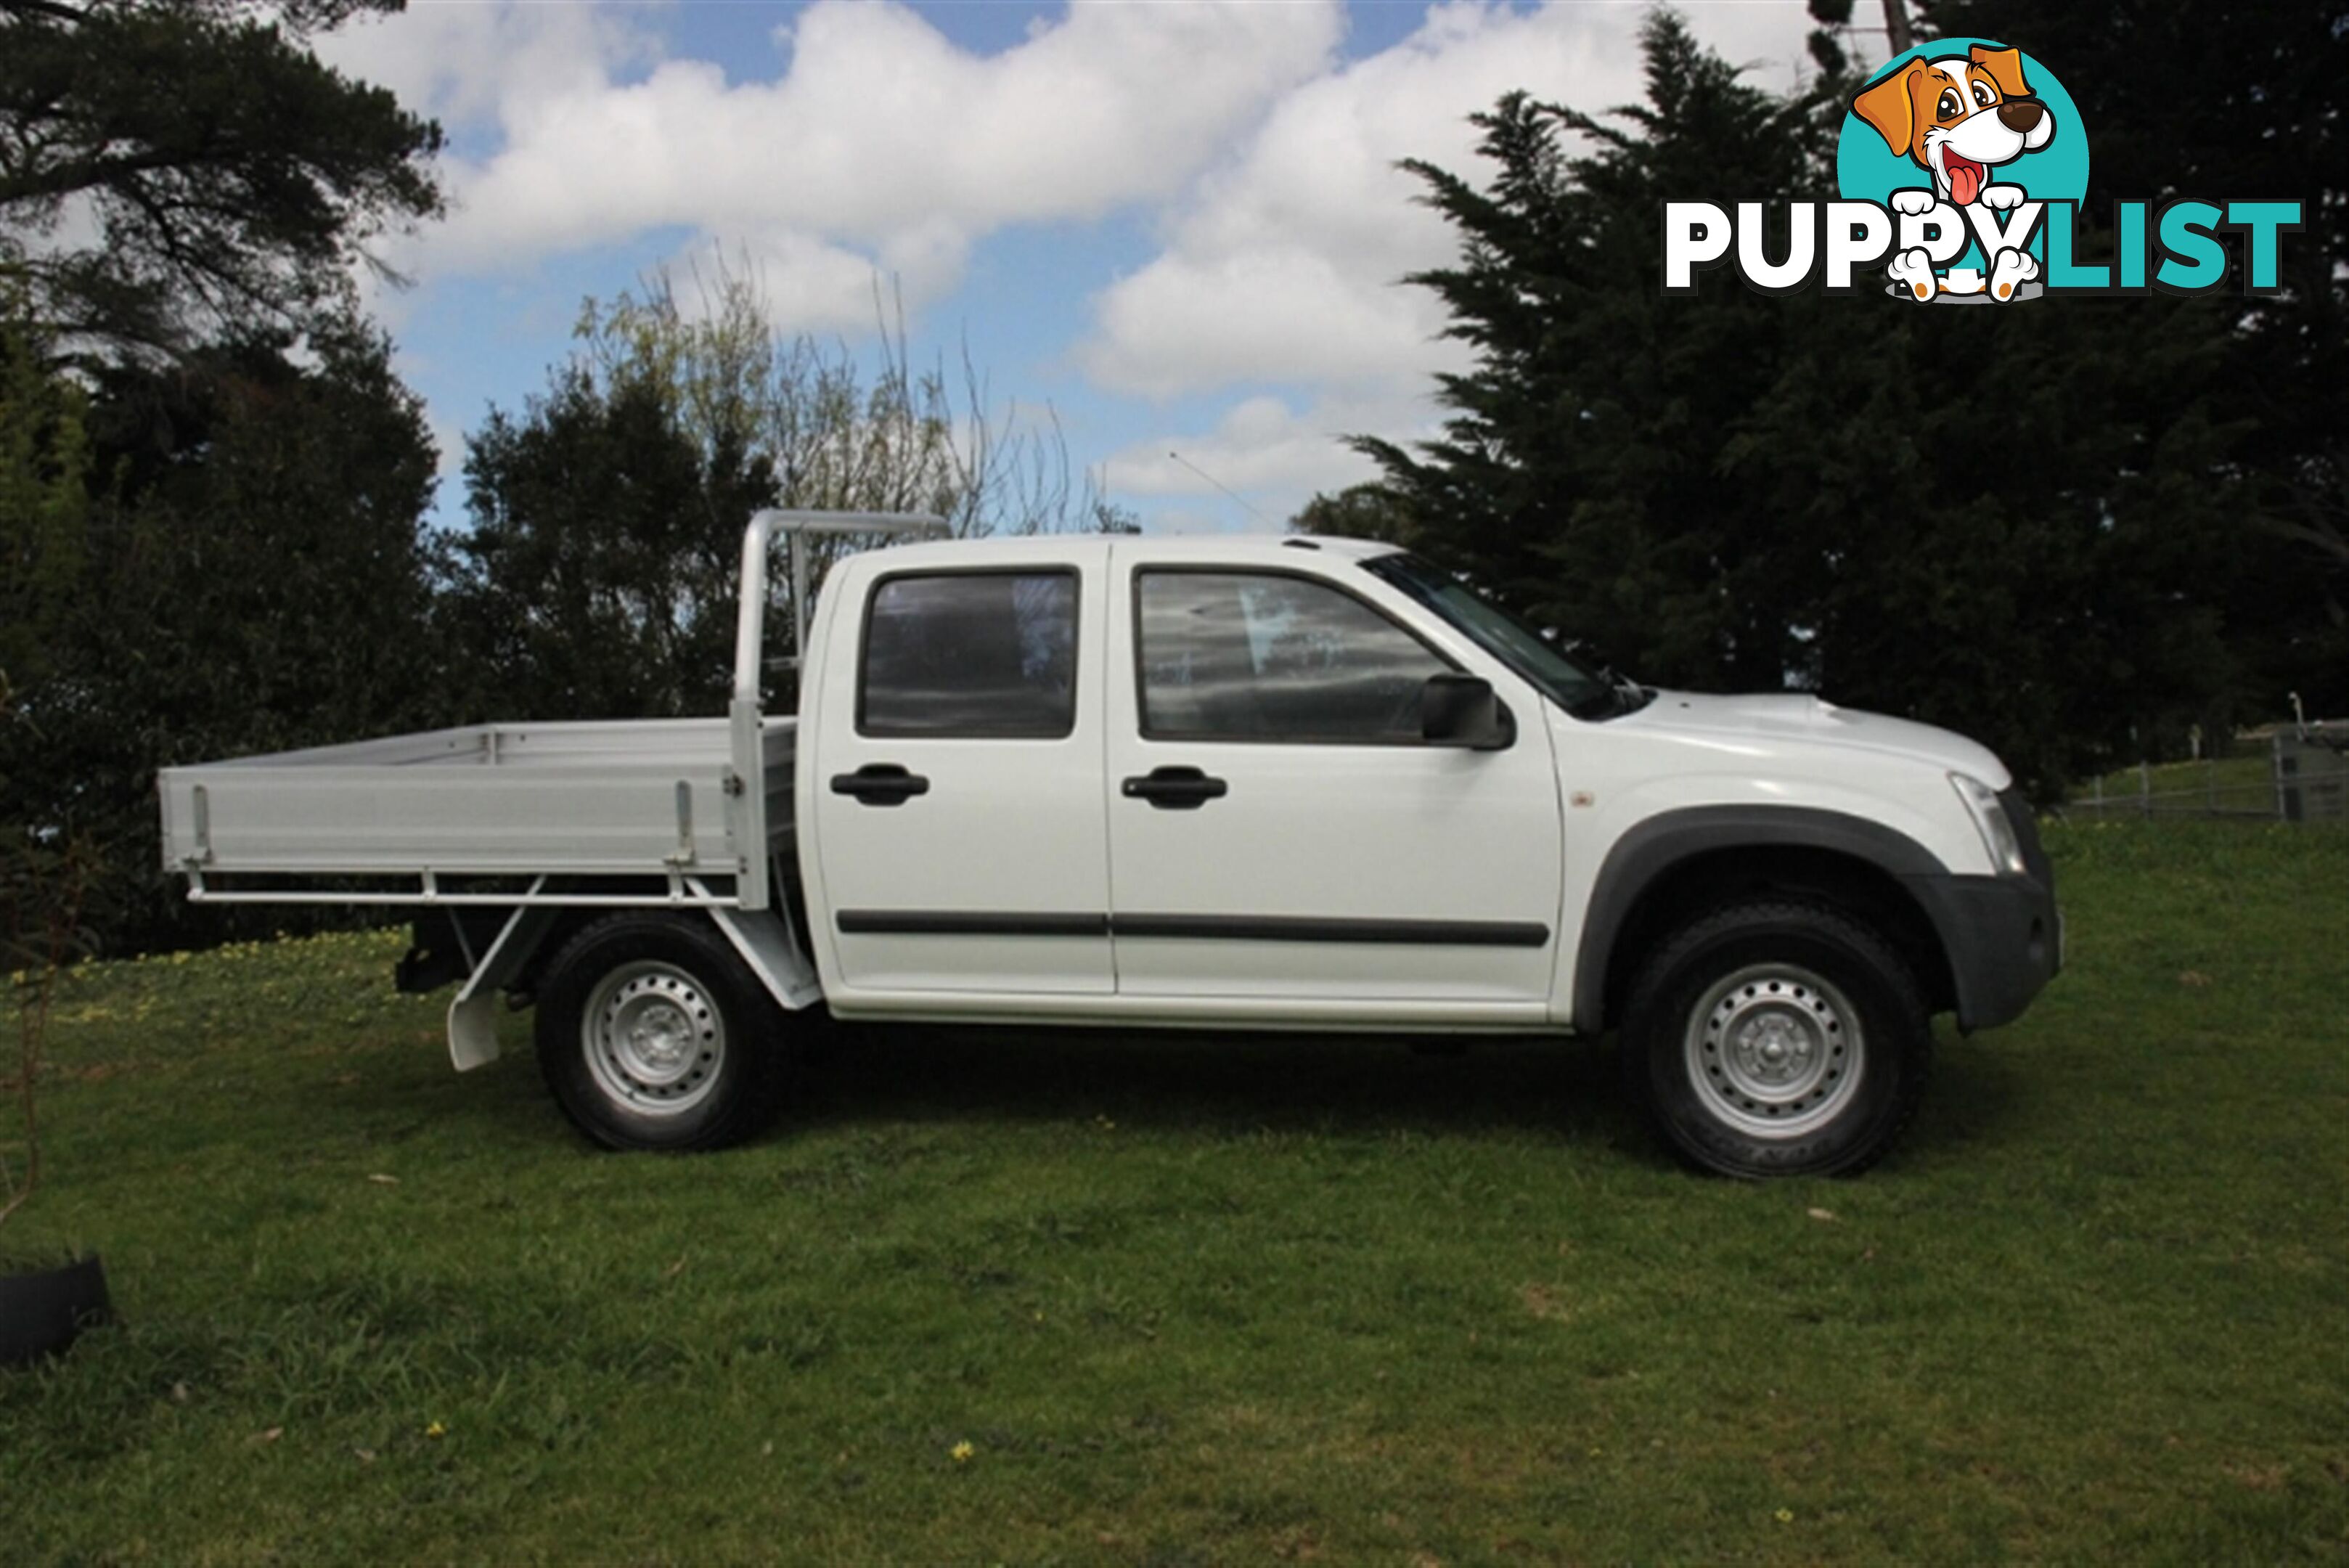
(653, 1034)
(1777, 1039)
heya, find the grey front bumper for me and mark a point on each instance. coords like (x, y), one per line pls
(2004, 938)
(2003, 935)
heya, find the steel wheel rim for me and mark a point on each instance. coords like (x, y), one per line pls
(654, 1039)
(1774, 1050)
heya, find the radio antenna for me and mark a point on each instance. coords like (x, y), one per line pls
(1221, 486)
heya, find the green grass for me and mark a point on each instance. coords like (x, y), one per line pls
(1192, 1301)
(2244, 784)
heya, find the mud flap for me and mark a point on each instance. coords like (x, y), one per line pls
(765, 939)
(474, 1016)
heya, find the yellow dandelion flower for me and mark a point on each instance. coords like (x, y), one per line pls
(436, 1430)
(1786, 1516)
(962, 1452)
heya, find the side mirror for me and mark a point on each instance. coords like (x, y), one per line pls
(1462, 711)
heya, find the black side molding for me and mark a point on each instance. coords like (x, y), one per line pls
(1208, 927)
(1313, 928)
(968, 923)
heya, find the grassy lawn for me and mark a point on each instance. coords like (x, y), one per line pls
(1198, 1300)
(2241, 784)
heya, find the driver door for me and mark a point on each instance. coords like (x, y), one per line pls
(1277, 826)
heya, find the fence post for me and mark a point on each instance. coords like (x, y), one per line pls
(2145, 788)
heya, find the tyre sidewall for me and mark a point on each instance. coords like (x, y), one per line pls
(746, 1077)
(1893, 1026)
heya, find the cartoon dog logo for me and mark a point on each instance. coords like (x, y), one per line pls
(1958, 118)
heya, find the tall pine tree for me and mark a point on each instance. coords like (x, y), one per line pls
(2006, 520)
(172, 170)
(248, 571)
(2240, 99)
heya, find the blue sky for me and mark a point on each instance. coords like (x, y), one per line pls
(1176, 221)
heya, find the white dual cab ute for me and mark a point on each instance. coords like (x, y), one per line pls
(1229, 782)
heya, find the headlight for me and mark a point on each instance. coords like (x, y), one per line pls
(1990, 820)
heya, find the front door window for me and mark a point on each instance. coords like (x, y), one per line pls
(1248, 656)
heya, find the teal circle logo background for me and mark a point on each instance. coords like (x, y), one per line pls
(1868, 170)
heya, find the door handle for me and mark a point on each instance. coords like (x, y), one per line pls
(1174, 789)
(881, 783)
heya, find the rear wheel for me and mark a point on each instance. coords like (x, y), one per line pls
(652, 1034)
(1777, 1039)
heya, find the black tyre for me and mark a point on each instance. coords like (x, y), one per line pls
(1777, 1039)
(652, 1034)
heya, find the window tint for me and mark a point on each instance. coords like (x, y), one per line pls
(971, 654)
(1251, 656)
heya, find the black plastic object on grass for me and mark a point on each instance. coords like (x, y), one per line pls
(43, 1311)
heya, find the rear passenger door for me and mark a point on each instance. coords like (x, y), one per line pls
(1279, 829)
(957, 792)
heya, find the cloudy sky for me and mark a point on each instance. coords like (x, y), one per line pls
(1176, 221)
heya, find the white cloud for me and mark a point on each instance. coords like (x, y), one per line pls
(1284, 262)
(882, 144)
(1274, 454)
(466, 63)
(1259, 444)
(810, 285)
(1277, 311)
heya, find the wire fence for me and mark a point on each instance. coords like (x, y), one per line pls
(2297, 776)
